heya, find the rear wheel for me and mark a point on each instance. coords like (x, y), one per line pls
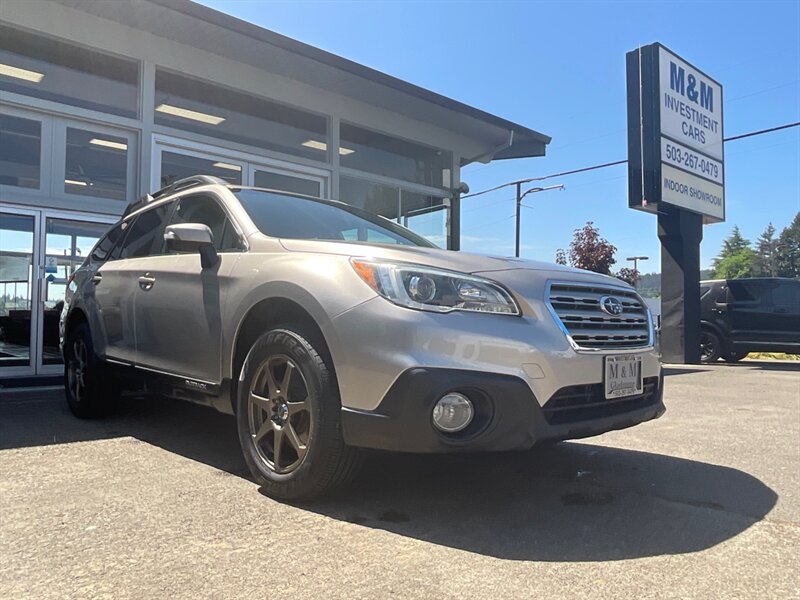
(709, 346)
(90, 389)
(289, 419)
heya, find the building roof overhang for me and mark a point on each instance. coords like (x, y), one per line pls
(202, 27)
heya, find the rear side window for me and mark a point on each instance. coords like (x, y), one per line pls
(146, 235)
(787, 295)
(108, 247)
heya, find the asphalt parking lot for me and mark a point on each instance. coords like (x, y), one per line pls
(703, 503)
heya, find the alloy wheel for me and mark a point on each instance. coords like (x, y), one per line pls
(76, 370)
(279, 414)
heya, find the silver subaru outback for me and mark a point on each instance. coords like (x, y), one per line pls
(326, 330)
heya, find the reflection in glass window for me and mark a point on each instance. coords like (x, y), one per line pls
(287, 183)
(377, 198)
(381, 154)
(20, 151)
(38, 66)
(224, 113)
(16, 269)
(176, 166)
(96, 164)
(423, 214)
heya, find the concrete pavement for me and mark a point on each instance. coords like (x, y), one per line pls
(155, 502)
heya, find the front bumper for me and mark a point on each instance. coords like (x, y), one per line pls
(507, 414)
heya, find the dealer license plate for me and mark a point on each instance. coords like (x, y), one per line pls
(623, 375)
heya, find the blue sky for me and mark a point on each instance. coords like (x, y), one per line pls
(559, 68)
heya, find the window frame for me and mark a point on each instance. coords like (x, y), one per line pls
(230, 221)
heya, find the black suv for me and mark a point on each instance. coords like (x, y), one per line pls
(738, 316)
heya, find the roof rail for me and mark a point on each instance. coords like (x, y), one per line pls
(175, 186)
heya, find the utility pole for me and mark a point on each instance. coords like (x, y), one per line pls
(636, 260)
(520, 196)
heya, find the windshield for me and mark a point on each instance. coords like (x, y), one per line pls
(292, 217)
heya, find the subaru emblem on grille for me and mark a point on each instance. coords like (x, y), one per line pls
(611, 305)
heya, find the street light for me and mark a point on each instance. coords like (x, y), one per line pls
(520, 196)
(636, 260)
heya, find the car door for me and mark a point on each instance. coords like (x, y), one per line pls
(748, 311)
(108, 298)
(178, 317)
(120, 284)
(785, 319)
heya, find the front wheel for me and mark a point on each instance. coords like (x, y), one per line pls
(709, 346)
(91, 391)
(289, 419)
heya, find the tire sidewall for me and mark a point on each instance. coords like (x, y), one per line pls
(323, 402)
(98, 398)
(717, 341)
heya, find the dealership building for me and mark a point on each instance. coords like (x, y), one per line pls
(101, 102)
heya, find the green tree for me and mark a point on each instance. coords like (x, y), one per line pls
(787, 250)
(765, 251)
(736, 256)
(737, 265)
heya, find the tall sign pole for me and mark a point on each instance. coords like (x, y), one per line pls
(676, 171)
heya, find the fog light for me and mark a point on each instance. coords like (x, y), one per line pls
(453, 412)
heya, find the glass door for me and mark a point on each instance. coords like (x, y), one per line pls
(18, 232)
(65, 243)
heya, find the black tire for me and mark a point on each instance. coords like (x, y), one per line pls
(733, 356)
(710, 346)
(300, 411)
(90, 388)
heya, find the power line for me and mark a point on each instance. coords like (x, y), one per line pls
(616, 162)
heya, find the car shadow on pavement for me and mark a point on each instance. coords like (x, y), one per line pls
(568, 502)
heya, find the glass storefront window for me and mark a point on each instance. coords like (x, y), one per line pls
(287, 183)
(16, 279)
(96, 164)
(34, 65)
(67, 244)
(20, 152)
(223, 113)
(381, 154)
(377, 198)
(177, 166)
(424, 214)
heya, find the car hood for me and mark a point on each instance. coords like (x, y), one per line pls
(463, 262)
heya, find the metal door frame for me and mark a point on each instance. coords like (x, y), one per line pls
(36, 364)
(33, 346)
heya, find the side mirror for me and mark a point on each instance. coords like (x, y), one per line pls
(192, 237)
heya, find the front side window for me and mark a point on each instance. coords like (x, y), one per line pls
(745, 291)
(146, 235)
(292, 217)
(207, 211)
(108, 247)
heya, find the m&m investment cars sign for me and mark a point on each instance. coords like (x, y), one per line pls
(675, 135)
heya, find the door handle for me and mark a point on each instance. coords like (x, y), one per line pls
(97, 278)
(146, 282)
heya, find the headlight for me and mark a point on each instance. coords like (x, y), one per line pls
(437, 290)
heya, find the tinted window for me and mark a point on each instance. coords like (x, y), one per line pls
(745, 291)
(299, 218)
(206, 210)
(20, 151)
(146, 235)
(786, 294)
(107, 248)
